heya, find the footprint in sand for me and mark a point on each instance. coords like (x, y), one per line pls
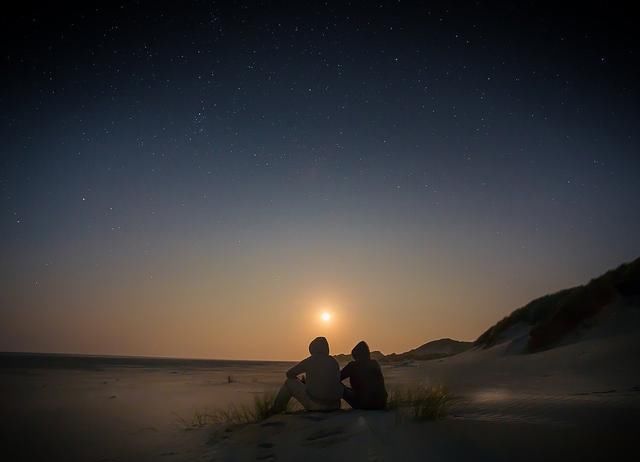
(315, 418)
(226, 433)
(273, 424)
(587, 393)
(268, 456)
(327, 437)
(324, 434)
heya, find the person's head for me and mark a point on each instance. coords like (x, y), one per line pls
(361, 351)
(319, 346)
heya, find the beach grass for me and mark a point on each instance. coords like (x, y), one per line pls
(233, 414)
(420, 402)
(417, 402)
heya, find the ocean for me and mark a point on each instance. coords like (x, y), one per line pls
(10, 360)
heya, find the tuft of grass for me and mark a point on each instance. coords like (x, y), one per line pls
(420, 402)
(258, 410)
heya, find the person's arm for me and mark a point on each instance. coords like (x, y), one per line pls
(345, 373)
(296, 370)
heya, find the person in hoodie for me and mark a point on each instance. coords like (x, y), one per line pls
(320, 389)
(367, 383)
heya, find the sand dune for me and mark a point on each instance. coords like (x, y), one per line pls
(578, 401)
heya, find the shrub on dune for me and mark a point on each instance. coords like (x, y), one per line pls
(233, 414)
(420, 402)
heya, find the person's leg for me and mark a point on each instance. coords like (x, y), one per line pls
(350, 397)
(299, 391)
(296, 389)
(282, 399)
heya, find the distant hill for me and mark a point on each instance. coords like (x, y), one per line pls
(345, 358)
(549, 319)
(430, 350)
(445, 347)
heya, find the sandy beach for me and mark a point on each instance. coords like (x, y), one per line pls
(576, 402)
(579, 401)
(319, 231)
(116, 412)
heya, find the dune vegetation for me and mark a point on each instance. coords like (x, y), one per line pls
(553, 316)
(233, 414)
(420, 402)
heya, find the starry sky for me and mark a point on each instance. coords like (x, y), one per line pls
(202, 179)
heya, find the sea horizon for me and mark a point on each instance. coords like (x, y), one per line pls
(28, 359)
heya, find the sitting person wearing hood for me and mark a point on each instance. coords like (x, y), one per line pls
(367, 383)
(320, 390)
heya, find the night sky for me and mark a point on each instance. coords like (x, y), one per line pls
(202, 179)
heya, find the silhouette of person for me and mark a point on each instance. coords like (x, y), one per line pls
(320, 389)
(367, 382)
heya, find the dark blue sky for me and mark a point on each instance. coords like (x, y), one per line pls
(397, 160)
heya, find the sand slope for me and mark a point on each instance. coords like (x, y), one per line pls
(378, 436)
(578, 401)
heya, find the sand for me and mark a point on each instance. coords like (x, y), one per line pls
(579, 401)
(118, 413)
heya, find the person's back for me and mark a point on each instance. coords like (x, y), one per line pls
(367, 382)
(321, 389)
(322, 374)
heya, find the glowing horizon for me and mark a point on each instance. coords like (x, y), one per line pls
(208, 191)
(266, 334)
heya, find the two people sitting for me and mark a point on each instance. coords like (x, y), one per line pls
(321, 387)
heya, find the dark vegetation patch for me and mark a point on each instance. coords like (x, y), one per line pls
(553, 316)
(420, 402)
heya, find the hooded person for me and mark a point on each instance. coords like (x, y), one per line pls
(365, 377)
(321, 389)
